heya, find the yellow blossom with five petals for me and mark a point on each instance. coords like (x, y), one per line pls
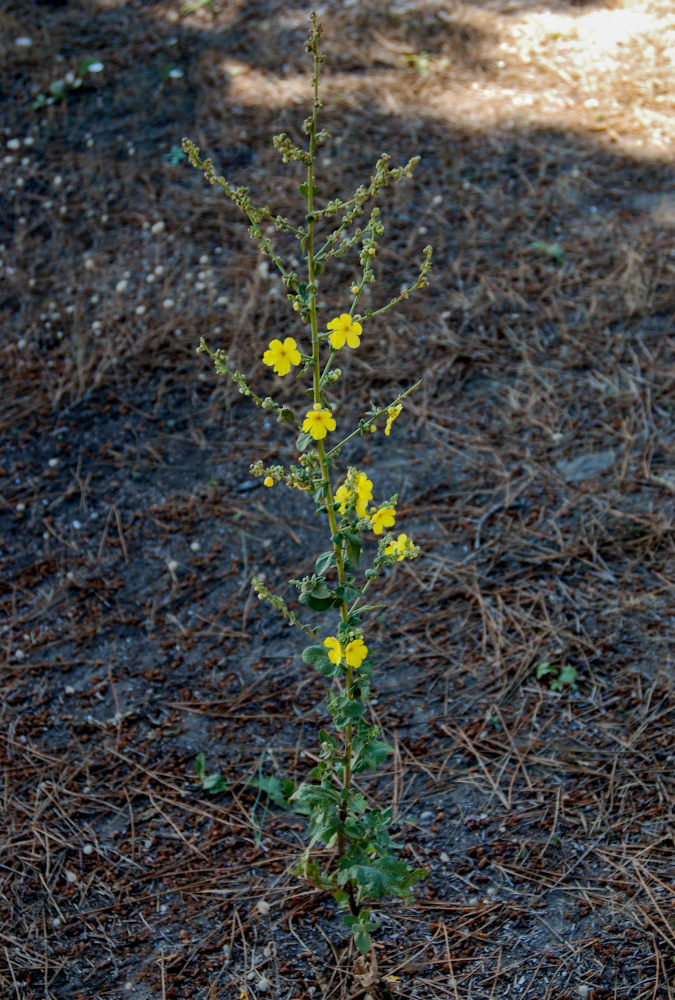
(345, 330)
(280, 356)
(355, 653)
(383, 518)
(318, 422)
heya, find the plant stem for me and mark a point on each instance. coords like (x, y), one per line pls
(323, 460)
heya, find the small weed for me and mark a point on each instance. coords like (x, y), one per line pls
(552, 250)
(72, 81)
(558, 677)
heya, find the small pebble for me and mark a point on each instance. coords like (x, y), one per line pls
(263, 907)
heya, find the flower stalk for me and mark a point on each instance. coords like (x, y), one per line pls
(363, 865)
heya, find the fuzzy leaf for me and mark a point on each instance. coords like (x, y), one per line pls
(317, 657)
(381, 876)
(304, 441)
(325, 562)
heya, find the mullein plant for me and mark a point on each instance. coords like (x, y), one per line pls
(359, 864)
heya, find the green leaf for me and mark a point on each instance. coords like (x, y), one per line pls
(318, 603)
(361, 939)
(370, 756)
(212, 783)
(568, 675)
(543, 669)
(323, 807)
(317, 657)
(360, 927)
(385, 875)
(278, 792)
(553, 250)
(303, 189)
(348, 592)
(343, 709)
(325, 562)
(327, 741)
(352, 543)
(304, 441)
(286, 416)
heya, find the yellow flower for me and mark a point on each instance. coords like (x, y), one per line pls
(382, 519)
(334, 649)
(364, 492)
(399, 548)
(280, 356)
(342, 496)
(355, 653)
(361, 488)
(344, 330)
(318, 422)
(392, 414)
(268, 481)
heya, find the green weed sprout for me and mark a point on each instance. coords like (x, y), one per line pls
(359, 864)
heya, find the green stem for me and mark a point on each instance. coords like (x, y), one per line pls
(323, 459)
(371, 420)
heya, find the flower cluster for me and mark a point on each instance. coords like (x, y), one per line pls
(354, 653)
(357, 489)
(400, 547)
(357, 486)
(392, 414)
